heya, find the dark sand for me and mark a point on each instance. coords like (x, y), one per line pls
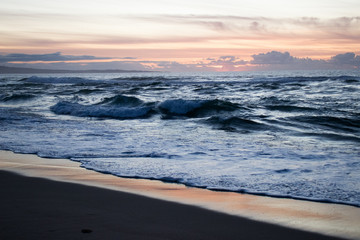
(35, 208)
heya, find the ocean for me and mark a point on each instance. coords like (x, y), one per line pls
(293, 134)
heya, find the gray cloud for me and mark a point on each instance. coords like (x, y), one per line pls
(129, 58)
(179, 67)
(21, 57)
(228, 60)
(121, 65)
(175, 66)
(283, 60)
(349, 58)
(273, 57)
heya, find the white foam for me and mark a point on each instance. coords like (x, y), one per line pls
(75, 109)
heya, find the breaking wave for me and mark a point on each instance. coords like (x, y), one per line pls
(122, 100)
(100, 111)
(123, 107)
(196, 108)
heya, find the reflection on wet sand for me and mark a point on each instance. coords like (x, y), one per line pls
(332, 219)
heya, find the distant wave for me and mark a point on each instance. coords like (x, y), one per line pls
(16, 97)
(299, 79)
(263, 82)
(64, 80)
(80, 80)
(149, 78)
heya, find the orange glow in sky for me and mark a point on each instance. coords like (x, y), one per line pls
(180, 31)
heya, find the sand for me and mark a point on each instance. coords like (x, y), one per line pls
(69, 202)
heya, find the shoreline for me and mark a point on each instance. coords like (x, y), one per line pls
(324, 218)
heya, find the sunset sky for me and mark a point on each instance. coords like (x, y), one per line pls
(185, 35)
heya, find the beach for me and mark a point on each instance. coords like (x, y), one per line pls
(180, 120)
(56, 199)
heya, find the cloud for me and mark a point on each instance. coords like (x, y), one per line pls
(283, 60)
(228, 60)
(217, 26)
(273, 57)
(129, 58)
(21, 57)
(176, 35)
(227, 63)
(343, 27)
(120, 65)
(272, 60)
(124, 65)
(349, 58)
(175, 66)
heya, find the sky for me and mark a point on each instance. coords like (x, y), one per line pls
(186, 35)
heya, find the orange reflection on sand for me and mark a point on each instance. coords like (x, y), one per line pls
(333, 219)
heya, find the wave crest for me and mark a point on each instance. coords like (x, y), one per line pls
(79, 110)
(122, 100)
(196, 108)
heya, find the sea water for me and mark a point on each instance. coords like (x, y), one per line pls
(284, 134)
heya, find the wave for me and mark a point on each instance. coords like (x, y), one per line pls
(290, 108)
(335, 123)
(275, 101)
(123, 101)
(196, 108)
(347, 79)
(332, 136)
(313, 78)
(235, 123)
(88, 91)
(271, 83)
(64, 80)
(79, 110)
(16, 97)
(150, 81)
(121, 107)
(150, 78)
(180, 106)
(155, 168)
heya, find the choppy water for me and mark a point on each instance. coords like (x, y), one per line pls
(288, 134)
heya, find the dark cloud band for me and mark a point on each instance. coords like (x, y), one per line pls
(21, 57)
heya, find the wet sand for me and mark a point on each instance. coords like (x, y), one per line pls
(56, 199)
